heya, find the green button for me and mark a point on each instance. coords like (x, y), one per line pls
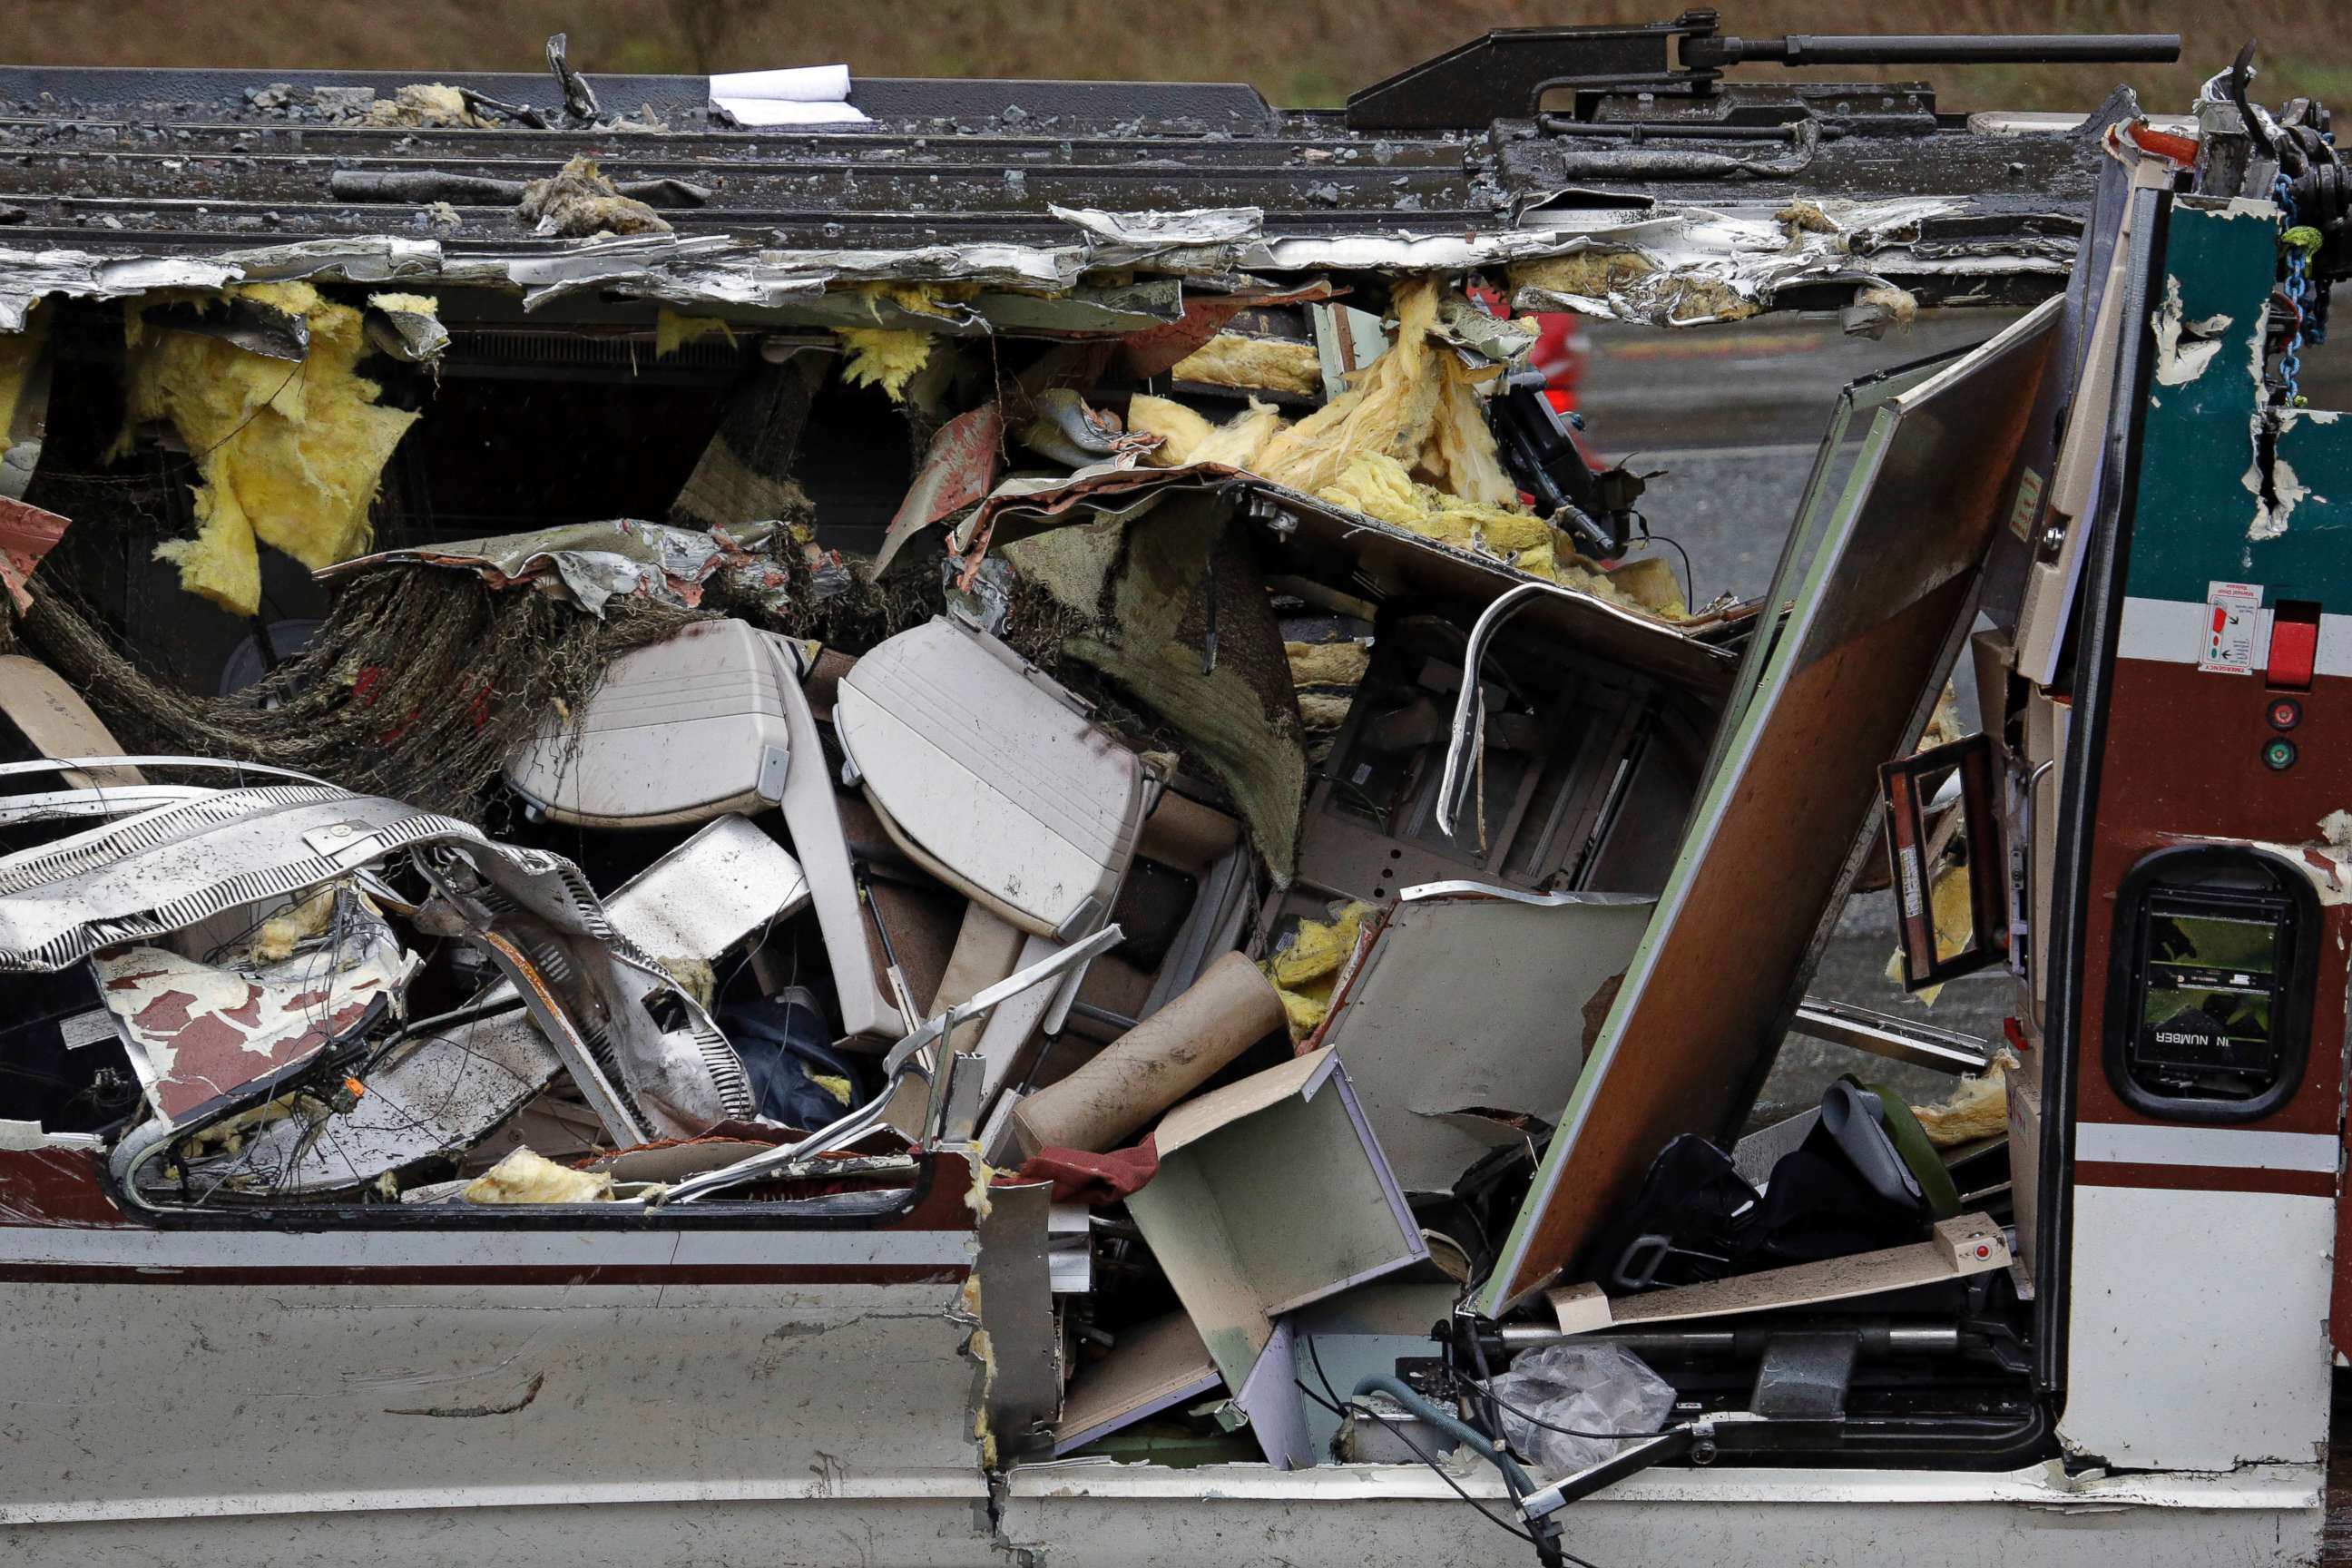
(2278, 755)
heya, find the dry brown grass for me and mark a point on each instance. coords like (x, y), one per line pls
(1295, 51)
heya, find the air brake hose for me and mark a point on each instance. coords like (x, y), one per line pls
(1445, 1421)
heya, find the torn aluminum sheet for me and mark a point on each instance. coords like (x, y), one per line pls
(199, 1033)
(1514, 983)
(1694, 266)
(406, 326)
(1745, 250)
(591, 562)
(439, 1091)
(648, 1059)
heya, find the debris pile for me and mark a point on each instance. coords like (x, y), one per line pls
(1171, 769)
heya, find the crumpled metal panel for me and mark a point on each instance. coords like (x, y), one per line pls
(594, 562)
(199, 1032)
(441, 1091)
(649, 1056)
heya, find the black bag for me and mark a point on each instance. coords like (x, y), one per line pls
(1847, 1188)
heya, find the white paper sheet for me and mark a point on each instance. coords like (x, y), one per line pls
(796, 95)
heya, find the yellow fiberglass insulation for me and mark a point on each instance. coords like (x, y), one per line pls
(1950, 902)
(1646, 582)
(885, 358)
(1388, 414)
(673, 331)
(1461, 458)
(1327, 663)
(289, 454)
(1595, 274)
(1378, 486)
(1266, 364)
(1417, 404)
(1978, 1109)
(286, 930)
(1188, 437)
(1239, 441)
(1179, 428)
(526, 1177)
(19, 353)
(1303, 973)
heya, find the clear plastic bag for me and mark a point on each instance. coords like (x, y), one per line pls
(1590, 1387)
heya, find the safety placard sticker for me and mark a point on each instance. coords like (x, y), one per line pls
(2028, 505)
(2234, 613)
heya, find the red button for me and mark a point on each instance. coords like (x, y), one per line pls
(2294, 646)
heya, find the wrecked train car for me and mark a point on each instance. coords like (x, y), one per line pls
(944, 819)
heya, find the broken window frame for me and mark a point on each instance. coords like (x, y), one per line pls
(1915, 841)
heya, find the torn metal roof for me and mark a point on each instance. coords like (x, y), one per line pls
(115, 183)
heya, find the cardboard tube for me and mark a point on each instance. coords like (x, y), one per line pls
(1159, 1061)
(1187, 834)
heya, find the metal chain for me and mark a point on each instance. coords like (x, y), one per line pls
(2298, 291)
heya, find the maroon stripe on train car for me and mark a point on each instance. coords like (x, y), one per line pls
(2204, 1179)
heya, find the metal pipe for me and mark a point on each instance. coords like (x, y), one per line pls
(1877, 1339)
(1934, 49)
(901, 1059)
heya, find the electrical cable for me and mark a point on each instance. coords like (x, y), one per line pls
(1690, 576)
(1423, 1455)
(1552, 1549)
(1567, 1431)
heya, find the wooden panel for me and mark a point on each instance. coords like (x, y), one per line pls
(1964, 1245)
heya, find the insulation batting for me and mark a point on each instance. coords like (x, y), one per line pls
(883, 357)
(579, 201)
(1305, 971)
(289, 454)
(1185, 436)
(525, 1177)
(1417, 404)
(1181, 429)
(1267, 365)
(1978, 1109)
(673, 331)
